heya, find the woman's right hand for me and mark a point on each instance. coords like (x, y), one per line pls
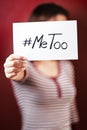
(14, 67)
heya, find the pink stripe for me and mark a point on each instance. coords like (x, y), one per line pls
(58, 87)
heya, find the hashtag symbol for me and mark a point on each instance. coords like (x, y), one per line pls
(27, 42)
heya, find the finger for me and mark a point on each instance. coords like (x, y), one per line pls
(19, 63)
(12, 70)
(15, 57)
(11, 75)
(15, 63)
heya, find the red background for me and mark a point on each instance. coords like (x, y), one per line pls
(18, 11)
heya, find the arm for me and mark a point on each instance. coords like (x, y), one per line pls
(74, 117)
(75, 123)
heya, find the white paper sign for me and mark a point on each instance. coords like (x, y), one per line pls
(46, 40)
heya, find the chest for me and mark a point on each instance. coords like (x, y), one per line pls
(57, 89)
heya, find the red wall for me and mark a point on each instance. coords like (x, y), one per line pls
(17, 11)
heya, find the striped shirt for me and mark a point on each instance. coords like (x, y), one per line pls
(47, 103)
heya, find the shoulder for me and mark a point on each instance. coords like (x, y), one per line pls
(67, 63)
(67, 66)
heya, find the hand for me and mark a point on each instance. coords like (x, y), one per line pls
(14, 67)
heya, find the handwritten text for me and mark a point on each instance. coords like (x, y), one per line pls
(44, 44)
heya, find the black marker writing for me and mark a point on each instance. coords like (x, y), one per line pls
(53, 39)
(41, 42)
(27, 42)
(44, 44)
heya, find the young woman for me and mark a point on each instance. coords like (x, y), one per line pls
(45, 90)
